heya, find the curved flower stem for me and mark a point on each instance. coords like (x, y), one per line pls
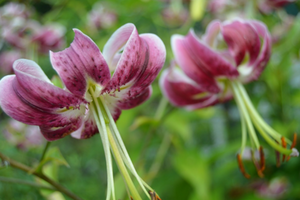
(161, 153)
(28, 169)
(45, 150)
(23, 182)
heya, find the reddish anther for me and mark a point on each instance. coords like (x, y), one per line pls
(257, 165)
(262, 159)
(277, 158)
(241, 166)
(154, 196)
(284, 146)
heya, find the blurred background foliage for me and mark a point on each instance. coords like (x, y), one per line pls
(181, 154)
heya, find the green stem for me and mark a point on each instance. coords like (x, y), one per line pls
(45, 151)
(23, 182)
(162, 151)
(27, 169)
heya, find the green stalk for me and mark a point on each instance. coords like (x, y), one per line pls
(27, 169)
(23, 182)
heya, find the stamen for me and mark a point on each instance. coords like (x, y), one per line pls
(241, 166)
(293, 145)
(262, 159)
(277, 158)
(153, 195)
(257, 166)
(284, 146)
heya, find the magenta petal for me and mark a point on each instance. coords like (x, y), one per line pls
(188, 62)
(265, 51)
(212, 31)
(33, 87)
(181, 90)
(133, 101)
(210, 60)
(54, 133)
(82, 60)
(20, 110)
(139, 64)
(153, 62)
(87, 129)
(241, 38)
(131, 58)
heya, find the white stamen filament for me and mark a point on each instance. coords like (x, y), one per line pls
(112, 141)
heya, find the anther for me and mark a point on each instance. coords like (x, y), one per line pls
(241, 166)
(284, 146)
(262, 159)
(258, 166)
(277, 158)
(293, 145)
(153, 195)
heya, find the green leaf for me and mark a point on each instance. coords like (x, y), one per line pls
(194, 168)
(53, 155)
(143, 121)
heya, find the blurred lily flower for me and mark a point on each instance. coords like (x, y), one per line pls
(22, 135)
(49, 37)
(274, 189)
(7, 58)
(175, 15)
(92, 100)
(214, 68)
(100, 17)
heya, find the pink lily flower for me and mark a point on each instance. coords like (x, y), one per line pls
(92, 99)
(214, 68)
(49, 37)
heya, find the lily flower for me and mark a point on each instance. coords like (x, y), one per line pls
(92, 99)
(213, 70)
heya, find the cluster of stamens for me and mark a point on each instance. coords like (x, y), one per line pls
(260, 165)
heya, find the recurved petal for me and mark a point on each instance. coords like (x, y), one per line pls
(125, 45)
(19, 109)
(210, 60)
(265, 52)
(138, 91)
(87, 129)
(212, 31)
(186, 58)
(55, 133)
(33, 87)
(82, 60)
(241, 38)
(181, 90)
(133, 101)
(140, 63)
